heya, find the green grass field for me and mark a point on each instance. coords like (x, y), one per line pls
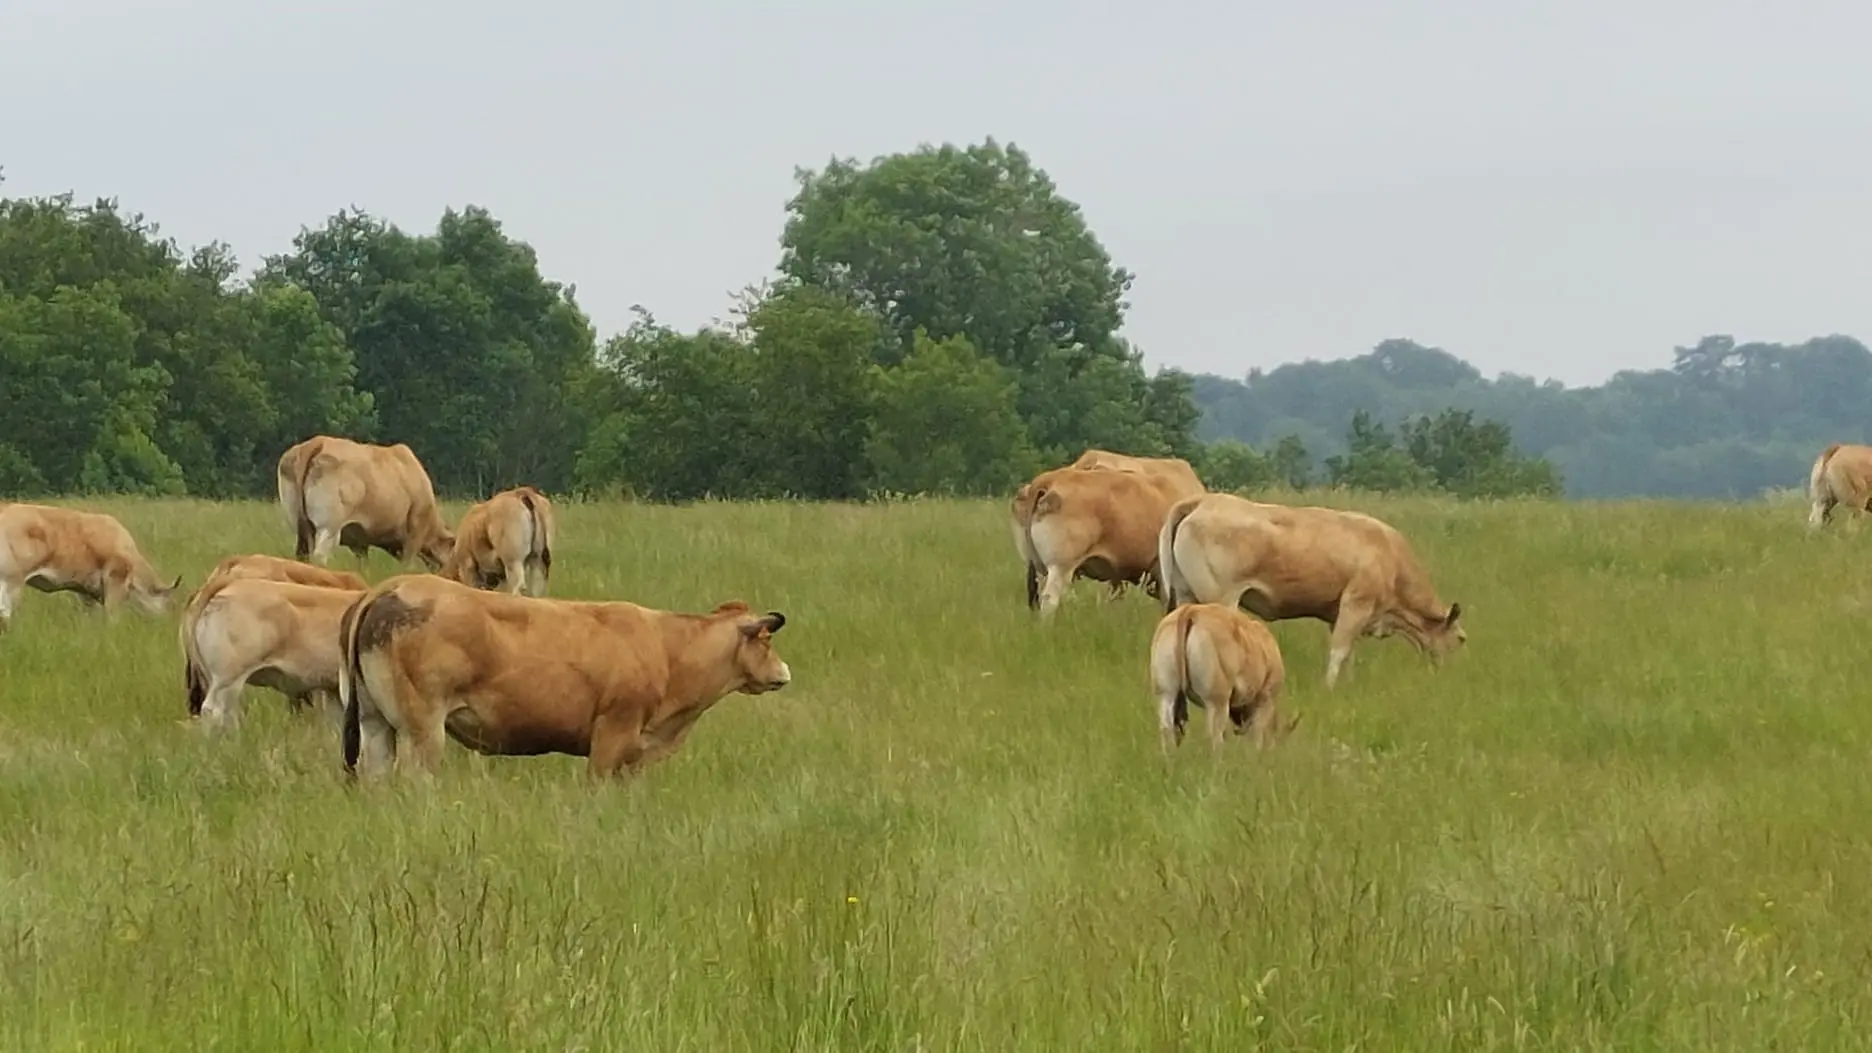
(1632, 814)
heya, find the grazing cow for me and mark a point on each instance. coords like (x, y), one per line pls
(1350, 570)
(505, 541)
(616, 683)
(1227, 663)
(1842, 474)
(276, 634)
(1174, 468)
(335, 491)
(53, 549)
(1090, 522)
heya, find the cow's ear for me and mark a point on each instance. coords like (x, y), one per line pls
(731, 607)
(766, 625)
(1455, 612)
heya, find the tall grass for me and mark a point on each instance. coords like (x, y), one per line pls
(1632, 814)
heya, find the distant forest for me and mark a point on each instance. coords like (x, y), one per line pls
(1725, 420)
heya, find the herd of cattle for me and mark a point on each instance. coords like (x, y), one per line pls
(473, 649)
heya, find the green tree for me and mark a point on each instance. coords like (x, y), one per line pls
(1374, 461)
(674, 415)
(811, 383)
(469, 354)
(977, 242)
(1471, 459)
(947, 422)
(1230, 464)
(1291, 464)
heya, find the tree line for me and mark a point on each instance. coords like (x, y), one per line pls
(942, 321)
(1725, 420)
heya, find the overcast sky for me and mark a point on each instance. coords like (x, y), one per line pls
(1563, 189)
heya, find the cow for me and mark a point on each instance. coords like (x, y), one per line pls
(505, 542)
(1224, 661)
(1353, 571)
(1173, 468)
(335, 491)
(277, 634)
(55, 549)
(1842, 474)
(277, 568)
(620, 684)
(1095, 523)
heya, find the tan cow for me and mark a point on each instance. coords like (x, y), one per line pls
(1224, 661)
(54, 549)
(505, 542)
(1842, 474)
(278, 568)
(1348, 569)
(276, 634)
(335, 491)
(616, 683)
(1094, 523)
(1174, 468)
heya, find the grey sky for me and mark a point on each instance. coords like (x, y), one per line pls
(1562, 189)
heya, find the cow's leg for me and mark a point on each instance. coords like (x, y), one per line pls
(221, 706)
(428, 733)
(616, 746)
(1354, 616)
(1057, 578)
(1821, 512)
(536, 575)
(1260, 717)
(324, 540)
(1172, 714)
(377, 752)
(666, 738)
(116, 593)
(515, 576)
(8, 590)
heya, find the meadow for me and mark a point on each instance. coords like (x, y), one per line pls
(1630, 814)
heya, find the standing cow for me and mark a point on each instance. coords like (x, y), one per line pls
(1348, 569)
(1224, 661)
(270, 633)
(1842, 474)
(335, 491)
(53, 549)
(505, 542)
(427, 659)
(1173, 468)
(1097, 523)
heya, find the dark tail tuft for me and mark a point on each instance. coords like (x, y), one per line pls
(1033, 587)
(197, 686)
(347, 650)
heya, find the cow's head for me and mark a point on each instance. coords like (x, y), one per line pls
(440, 547)
(1443, 636)
(757, 669)
(156, 598)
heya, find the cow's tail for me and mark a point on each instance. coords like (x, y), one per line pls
(1170, 580)
(1816, 479)
(1023, 508)
(351, 680)
(292, 494)
(194, 677)
(542, 527)
(194, 681)
(1182, 667)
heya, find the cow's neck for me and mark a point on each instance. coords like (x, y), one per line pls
(697, 679)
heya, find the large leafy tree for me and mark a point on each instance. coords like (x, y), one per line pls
(467, 351)
(977, 242)
(128, 365)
